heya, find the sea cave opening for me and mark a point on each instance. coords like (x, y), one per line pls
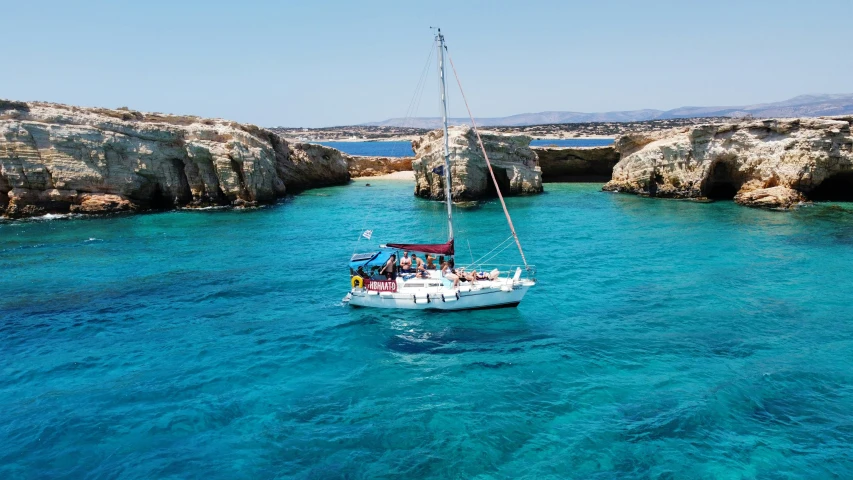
(171, 195)
(723, 183)
(158, 200)
(836, 188)
(503, 181)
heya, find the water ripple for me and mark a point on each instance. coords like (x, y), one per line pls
(665, 340)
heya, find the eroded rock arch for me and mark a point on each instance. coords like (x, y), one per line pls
(723, 181)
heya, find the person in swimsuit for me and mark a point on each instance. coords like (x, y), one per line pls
(418, 262)
(421, 268)
(406, 263)
(430, 262)
(463, 275)
(390, 268)
(448, 273)
(471, 276)
(422, 272)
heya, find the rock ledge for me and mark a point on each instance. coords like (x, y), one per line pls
(776, 163)
(58, 158)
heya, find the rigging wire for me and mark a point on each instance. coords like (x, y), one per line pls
(488, 163)
(422, 87)
(415, 102)
(412, 112)
(509, 244)
(483, 259)
(414, 105)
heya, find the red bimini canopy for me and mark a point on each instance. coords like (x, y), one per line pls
(437, 248)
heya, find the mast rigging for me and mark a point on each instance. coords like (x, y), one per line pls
(443, 75)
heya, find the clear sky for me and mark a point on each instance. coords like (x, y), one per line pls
(316, 63)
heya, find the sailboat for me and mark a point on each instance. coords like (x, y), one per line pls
(445, 288)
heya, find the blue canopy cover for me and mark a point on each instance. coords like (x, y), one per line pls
(368, 260)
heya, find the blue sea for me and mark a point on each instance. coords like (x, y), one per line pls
(404, 148)
(665, 339)
(374, 149)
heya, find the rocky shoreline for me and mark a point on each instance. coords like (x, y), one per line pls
(364, 166)
(558, 164)
(57, 159)
(63, 159)
(776, 163)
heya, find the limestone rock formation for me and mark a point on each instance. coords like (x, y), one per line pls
(576, 164)
(58, 158)
(308, 165)
(775, 163)
(360, 166)
(515, 165)
(773, 197)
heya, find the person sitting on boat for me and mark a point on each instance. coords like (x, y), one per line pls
(418, 262)
(448, 264)
(448, 273)
(406, 263)
(390, 268)
(430, 262)
(360, 272)
(422, 271)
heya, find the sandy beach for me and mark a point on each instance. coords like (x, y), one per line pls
(407, 176)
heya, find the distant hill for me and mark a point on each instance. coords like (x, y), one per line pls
(801, 106)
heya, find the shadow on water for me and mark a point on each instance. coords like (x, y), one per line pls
(822, 224)
(464, 340)
(445, 332)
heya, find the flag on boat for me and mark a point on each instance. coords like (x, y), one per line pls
(367, 234)
(439, 170)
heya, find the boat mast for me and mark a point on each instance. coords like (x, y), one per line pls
(442, 74)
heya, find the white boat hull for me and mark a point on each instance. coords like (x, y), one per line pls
(465, 298)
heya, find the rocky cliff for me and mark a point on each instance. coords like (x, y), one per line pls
(515, 165)
(58, 158)
(765, 163)
(576, 164)
(360, 166)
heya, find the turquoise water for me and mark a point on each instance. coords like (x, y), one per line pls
(374, 149)
(666, 339)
